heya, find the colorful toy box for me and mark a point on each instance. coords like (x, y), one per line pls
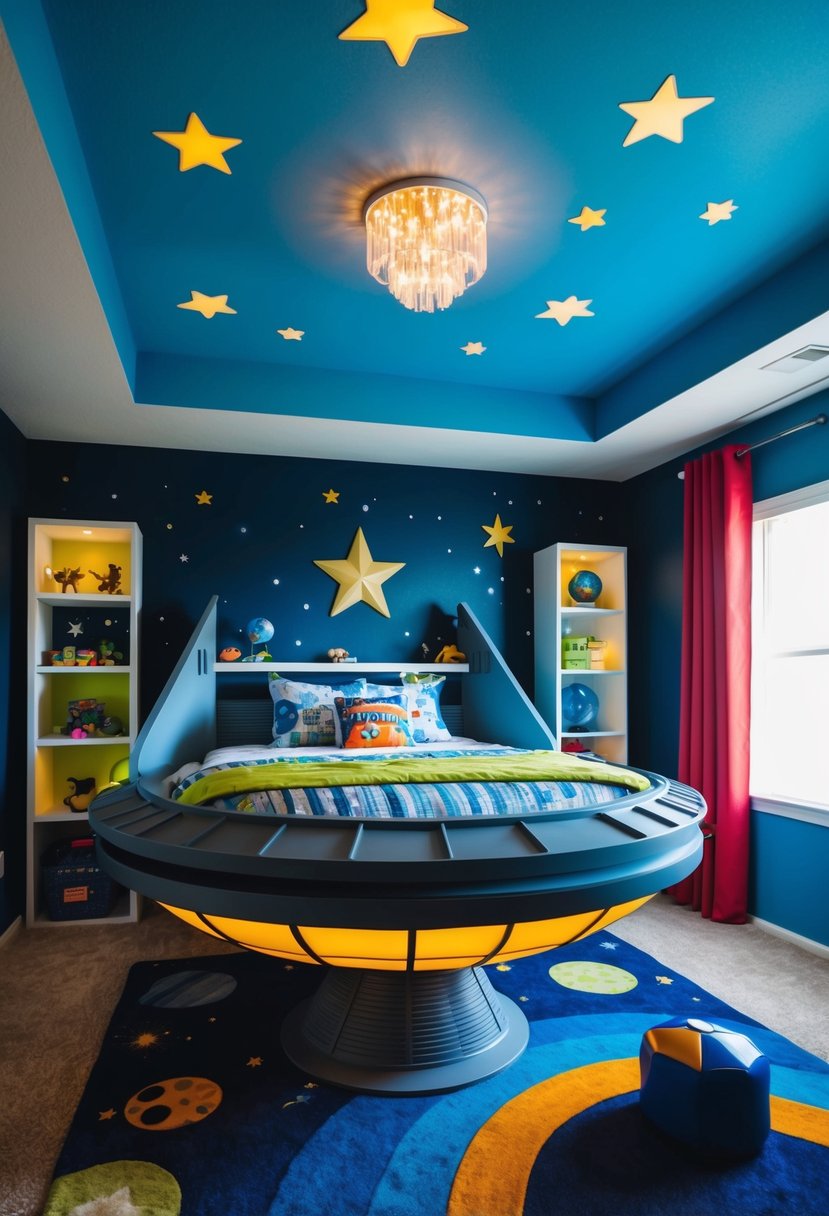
(575, 653)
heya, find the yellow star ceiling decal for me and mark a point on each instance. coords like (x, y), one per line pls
(588, 218)
(719, 211)
(473, 348)
(360, 577)
(663, 115)
(331, 495)
(399, 23)
(204, 499)
(564, 310)
(292, 335)
(499, 535)
(208, 306)
(196, 146)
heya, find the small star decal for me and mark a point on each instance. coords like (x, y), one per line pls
(254, 1062)
(663, 115)
(75, 630)
(292, 335)
(564, 310)
(196, 146)
(664, 979)
(331, 495)
(503, 967)
(204, 499)
(182, 557)
(523, 998)
(211, 1019)
(106, 1114)
(297, 1101)
(208, 306)
(499, 535)
(147, 1039)
(399, 23)
(588, 218)
(719, 211)
(473, 348)
(609, 945)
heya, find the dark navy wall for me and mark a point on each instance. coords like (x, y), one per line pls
(254, 545)
(789, 859)
(12, 670)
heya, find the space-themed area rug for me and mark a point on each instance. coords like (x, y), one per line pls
(192, 1107)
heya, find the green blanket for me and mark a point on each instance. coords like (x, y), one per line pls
(403, 770)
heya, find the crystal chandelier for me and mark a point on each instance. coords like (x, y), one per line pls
(426, 240)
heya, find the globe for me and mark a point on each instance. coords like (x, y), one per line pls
(585, 587)
(579, 706)
(259, 629)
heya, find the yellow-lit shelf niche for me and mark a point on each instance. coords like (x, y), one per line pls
(583, 643)
(84, 595)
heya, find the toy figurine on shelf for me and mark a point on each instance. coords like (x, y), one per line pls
(450, 654)
(230, 654)
(110, 582)
(84, 718)
(110, 657)
(83, 791)
(68, 577)
(337, 655)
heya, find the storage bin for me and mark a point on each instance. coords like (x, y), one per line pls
(75, 886)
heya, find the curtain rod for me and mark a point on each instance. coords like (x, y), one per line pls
(818, 420)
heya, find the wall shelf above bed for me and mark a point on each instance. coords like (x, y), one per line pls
(341, 669)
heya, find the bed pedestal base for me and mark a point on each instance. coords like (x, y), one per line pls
(404, 1032)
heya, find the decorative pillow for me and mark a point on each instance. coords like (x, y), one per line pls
(421, 696)
(368, 721)
(304, 714)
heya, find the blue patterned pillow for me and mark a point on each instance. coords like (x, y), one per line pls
(421, 697)
(304, 714)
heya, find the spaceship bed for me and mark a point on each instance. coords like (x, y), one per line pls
(400, 914)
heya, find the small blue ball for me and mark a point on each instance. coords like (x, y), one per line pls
(579, 706)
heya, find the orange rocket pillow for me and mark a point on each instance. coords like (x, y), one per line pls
(374, 722)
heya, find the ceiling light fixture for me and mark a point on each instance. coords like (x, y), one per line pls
(426, 240)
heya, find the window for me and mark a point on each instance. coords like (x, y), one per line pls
(790, 648)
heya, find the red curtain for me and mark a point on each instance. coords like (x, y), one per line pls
(716, 676)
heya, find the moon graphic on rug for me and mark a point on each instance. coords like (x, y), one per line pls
(167, 1105)
(186, 989)
(593, 977)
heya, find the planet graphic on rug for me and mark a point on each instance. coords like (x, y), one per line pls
(593, 977)
(186, 989)
(167, 1105)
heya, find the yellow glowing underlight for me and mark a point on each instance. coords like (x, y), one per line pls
(426, 241)
(389, 949)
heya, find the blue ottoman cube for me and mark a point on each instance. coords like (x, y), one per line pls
(705, 1086)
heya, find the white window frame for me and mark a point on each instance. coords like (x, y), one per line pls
(795, 500)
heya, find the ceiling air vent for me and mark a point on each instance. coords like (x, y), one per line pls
(799, 360)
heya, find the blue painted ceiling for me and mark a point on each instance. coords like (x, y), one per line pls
(525, 107)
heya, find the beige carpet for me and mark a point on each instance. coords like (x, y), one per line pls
(58, 986)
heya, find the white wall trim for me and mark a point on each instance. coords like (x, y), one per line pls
(794, 500)
(11, 932)
(796, 939)
(805, 812)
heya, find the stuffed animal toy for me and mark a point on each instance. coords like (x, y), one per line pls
(337, 654)
(108, 582)
(450, 654)
(83, 791)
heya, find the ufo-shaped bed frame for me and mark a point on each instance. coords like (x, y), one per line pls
(402, 913)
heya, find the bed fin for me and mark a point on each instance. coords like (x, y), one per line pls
(182, 724)
(495, 707)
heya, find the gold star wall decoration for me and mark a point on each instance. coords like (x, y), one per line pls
(719, 211)
(208, 306)
(564, 310)
(663, 115)
(204, 499)
(360, 577)
(499, 535)
(474, 348)
(331, 495)
(292, 335)
(399, 23)
(196, 146)
(588, 218)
